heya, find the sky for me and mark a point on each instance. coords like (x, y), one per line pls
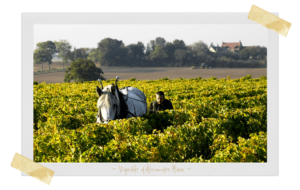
(87, 36)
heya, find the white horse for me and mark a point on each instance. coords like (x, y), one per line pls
(114, 103)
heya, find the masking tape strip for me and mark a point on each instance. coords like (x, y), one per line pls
(31, 168)
(269, 20)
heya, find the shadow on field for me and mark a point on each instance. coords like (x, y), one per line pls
(162, 120)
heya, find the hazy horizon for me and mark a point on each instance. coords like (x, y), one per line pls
(87, 36)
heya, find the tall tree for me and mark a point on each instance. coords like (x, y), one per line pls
(180, 56)
(158, 56)
(170, 49)
(179, 44)
(245, 54)
(141, 48)
(136, 53)
(262, 53)
(200, 46)
(48, 46)
(141, 61)
(256, 52)
(160, 41)
(152, 45)
(80, 53)
(201, 57)
(40, 56)
(64, 50)
(95, 55)
(113, 52)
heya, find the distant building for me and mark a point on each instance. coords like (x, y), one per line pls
(217, 49)
(232, 46)
(228, 46)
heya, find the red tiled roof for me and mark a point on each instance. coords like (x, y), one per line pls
(231, 45)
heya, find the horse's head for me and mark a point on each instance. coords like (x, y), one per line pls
(107, 104)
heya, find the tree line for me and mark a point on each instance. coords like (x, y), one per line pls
(157, 53)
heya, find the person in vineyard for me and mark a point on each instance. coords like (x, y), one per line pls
(160, 103)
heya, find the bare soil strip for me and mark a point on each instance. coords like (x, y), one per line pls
(153, 73)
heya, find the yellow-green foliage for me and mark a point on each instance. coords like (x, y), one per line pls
(212, 121)
(246, 150)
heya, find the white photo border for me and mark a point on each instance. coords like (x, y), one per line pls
(270, 168)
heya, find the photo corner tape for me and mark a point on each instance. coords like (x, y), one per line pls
(32, 168)
(269, 20)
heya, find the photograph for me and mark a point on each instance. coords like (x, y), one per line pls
(150, 93)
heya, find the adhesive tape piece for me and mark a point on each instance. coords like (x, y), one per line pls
(267, 19)
(34, 170)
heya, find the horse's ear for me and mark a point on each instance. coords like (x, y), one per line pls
(99, 91)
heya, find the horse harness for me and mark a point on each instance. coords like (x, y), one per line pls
(99, 115)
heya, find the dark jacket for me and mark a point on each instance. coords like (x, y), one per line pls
(154, 106)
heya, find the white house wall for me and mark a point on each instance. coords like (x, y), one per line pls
(212, 50)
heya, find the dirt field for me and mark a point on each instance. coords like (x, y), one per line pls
(152, 73)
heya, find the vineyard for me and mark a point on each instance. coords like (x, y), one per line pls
(213, 120)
